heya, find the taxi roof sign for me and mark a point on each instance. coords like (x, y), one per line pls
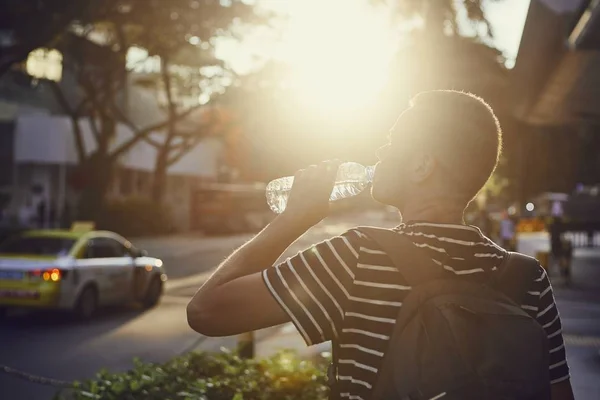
(83, 226)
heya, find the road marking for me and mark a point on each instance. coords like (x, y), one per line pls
(579, 305)
(582, 341)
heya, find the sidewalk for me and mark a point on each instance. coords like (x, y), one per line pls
(184, 244)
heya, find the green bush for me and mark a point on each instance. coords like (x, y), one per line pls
(204, 376)
(136, 217)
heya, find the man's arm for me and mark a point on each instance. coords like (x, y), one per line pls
(549, 318)
(235, 299)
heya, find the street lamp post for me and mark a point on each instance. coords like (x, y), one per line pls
(246, 344)
(62, 183)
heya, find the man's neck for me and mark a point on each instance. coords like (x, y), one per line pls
(434, 211)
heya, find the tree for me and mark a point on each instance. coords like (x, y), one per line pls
(189, 68)
(169, 30)
(441, 17)
(98, 102)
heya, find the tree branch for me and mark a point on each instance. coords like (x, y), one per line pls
(179, 146)
(81, 107)
(123, 118)
(187, 144)
(74, 116)
(141, 134)
(172, 110)
(154, 143)
(182, 151)
(61, 98)
(94, 127)
(86, 84)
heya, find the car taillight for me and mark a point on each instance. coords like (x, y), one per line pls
(48, 275)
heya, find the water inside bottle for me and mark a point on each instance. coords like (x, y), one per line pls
(352, 179)
(278, 192)
(347, 188)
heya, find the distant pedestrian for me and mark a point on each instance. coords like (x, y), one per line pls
(556, 239)
(413, 312)
(561, 248)
(507, 232)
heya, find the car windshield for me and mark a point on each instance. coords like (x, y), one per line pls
(37, 245)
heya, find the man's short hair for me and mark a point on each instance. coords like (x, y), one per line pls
(463, 131)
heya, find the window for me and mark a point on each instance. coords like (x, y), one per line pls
(105, 248)
(37, 245)
(120, 248)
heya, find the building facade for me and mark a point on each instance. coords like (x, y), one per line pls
(556, 97)
(38, 155)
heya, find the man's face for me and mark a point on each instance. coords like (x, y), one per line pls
(391, 183)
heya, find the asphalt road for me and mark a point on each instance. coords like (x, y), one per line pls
(55, 347)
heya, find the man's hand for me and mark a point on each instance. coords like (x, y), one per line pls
(308, 203)
(235, 299)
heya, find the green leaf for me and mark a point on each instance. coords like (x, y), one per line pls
(221, 376)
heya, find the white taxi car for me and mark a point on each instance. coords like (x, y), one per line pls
(76, 271)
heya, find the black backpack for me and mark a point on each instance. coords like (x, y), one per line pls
(458, 339)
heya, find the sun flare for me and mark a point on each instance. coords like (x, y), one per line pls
(338, 50)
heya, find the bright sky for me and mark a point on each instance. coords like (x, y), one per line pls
(326, 56)
(508, 19)
(314, 18)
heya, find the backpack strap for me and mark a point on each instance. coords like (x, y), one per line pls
(517, 272)
(414, 265)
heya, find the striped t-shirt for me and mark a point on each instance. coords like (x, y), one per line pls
(347, 288)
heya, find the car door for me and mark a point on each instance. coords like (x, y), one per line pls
(111, 266)
(92, 268)
(120, 267)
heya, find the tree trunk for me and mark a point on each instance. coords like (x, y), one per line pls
(162, 158)
(159, 183)
(97, 173)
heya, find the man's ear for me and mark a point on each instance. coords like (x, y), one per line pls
(423, 166)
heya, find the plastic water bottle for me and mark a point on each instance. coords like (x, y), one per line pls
(352, 178)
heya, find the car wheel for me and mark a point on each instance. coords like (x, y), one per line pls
(153, 293)
(87, 304)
